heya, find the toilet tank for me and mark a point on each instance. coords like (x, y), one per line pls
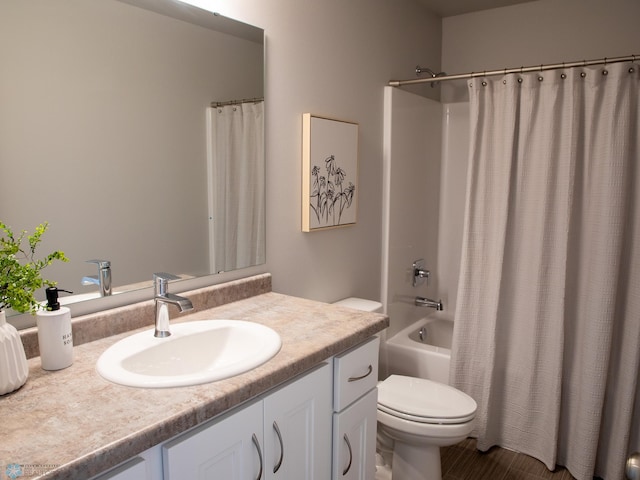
(360, 304)
(373, 307)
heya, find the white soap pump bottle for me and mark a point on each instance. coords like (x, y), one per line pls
(54, 333)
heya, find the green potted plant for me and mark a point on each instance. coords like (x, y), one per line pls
(20, 277)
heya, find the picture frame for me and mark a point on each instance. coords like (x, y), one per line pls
(329, 173)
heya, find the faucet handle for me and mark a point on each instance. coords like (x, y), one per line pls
(165, 276)
(100, 263)
(419, 272)
(161, 280)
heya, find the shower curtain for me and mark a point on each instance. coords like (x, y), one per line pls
(547, 327)
(236, 186)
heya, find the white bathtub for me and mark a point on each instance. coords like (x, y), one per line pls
(429, 357)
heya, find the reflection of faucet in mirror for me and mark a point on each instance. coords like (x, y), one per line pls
(103, 279)
(162, 298)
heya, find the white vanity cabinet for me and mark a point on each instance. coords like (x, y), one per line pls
(228, 447)
(355, 406)
(284, 435)
(320, 425)
(297, 428)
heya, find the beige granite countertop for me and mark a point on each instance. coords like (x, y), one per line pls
(83, 424)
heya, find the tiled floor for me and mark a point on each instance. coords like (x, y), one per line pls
(464, 462)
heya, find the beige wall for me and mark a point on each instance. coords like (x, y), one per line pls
(331, 58)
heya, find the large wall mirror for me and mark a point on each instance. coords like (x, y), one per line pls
(106, 132)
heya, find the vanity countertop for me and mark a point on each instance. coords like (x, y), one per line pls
(83, 424)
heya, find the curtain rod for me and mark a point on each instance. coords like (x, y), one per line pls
(505, 71)
(236, 102)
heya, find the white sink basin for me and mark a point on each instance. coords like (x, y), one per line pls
(196, 352)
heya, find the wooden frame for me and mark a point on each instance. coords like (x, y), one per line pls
(329, 173)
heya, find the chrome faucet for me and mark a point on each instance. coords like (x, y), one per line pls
(162, 299)
(103, 279)
(427, 302)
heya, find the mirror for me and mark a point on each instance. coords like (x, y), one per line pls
(103, 131)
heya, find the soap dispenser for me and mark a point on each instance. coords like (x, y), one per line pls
(54, 333)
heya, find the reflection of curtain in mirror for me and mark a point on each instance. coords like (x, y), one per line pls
(236, 186)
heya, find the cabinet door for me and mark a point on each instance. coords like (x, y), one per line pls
(354, 440)
(297, 428)
(226, 448)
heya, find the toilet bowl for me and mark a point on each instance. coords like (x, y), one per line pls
(420, 416)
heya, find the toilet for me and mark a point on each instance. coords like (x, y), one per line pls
(419, 415)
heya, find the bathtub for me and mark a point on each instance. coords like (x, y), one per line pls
(423, 349)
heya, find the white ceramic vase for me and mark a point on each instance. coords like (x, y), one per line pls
(13, 361)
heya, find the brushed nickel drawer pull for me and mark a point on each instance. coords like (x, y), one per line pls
(355, 379)
(279, 464)
(346, 470)
(259, 448)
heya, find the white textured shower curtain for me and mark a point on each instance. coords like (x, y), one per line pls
(236, 186)
(547, 327)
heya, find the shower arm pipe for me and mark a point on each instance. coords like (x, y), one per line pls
(505, 71)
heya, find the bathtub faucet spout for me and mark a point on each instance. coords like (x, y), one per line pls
(427, 302)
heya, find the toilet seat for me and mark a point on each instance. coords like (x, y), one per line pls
(424, 401)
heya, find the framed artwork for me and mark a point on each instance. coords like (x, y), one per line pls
(329, 173)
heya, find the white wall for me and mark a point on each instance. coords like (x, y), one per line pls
(331, 58)
(453, 178)
(412, 190)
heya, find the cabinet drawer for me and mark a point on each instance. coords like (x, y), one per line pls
(355, 372)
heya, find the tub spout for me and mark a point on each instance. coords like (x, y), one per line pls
(427, 302)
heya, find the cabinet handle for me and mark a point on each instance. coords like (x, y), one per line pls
(346, 470)
(279, 464)
(257, 444)
(355, 379)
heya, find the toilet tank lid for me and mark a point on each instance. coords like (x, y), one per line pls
(360, 304)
